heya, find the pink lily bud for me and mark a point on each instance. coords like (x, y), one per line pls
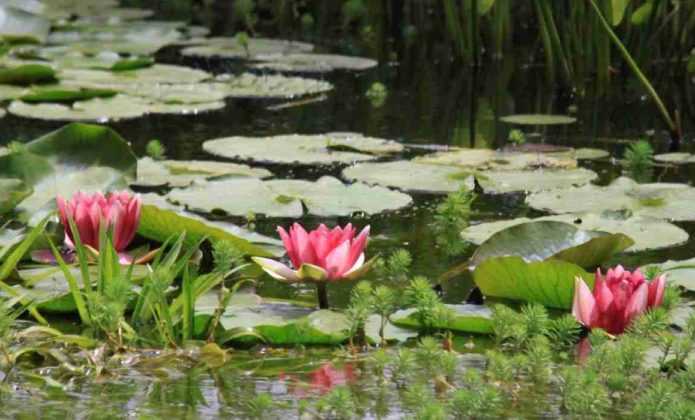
(617, 299)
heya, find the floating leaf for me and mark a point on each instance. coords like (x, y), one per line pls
(486, 159)
(679, 273)
(467, 319)
(675, 158)
(249, 85)
(65, 94)
(585, 153)
(26, 75)
(20, 25)
(313, 63)
(411, 176)
(284, 198)
(647, 233)
(255, 47)
(175, 173)
(550, 282)
(538, 119)
(303, 149)
(532, 181)
(538, 241)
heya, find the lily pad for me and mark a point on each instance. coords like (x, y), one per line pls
(282, 322)
(160, 224)
(26, 75)
(468, 319)
(585, 153)
(549, 282)
(20, 25)
(538, 119)
(119, 107)
(303, 149)
(232, 48)
(538, 241)
(680, 273)
(411, 176)
(313, 63)
(286, 198)
(64, 94)
(486, 159)
(665, 201)
(158, 73)
(648, 233)
(181, 173)
(248, 85)
(77, 157)
(675, 158)
(499, 182)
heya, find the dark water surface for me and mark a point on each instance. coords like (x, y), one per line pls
(433, 99)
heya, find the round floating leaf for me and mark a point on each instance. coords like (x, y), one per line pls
(411, 176)
(158, 73)
(64, 94)
(666, 201)
(647, 233)
(303, 149)
(116, 108)
(538, 119)
(175, 173)
(679, 273)
(676, 158)
(486, 159)
(26, 75)
(284, 198)
(160, 224)
(585, 153)
(249, 85)
(255, 47)
(12, 192)
(538, 241)
(313, 63)
(467, 319)
(550, 282)
(531, 181)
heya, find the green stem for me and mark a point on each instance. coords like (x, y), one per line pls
(675, 132)
(322, 294)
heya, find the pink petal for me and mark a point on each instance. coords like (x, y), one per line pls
(637, 304)
(584, 305)
(603, 295)
(656, 291)
(338, 262)
(302, 245)
(358, 245)
(289, 246)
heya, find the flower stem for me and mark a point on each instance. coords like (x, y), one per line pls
(322, 294)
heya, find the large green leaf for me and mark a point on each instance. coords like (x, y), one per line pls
(159, 224)
(77, 157)
(27, 74)
(281, 322)
(61, 94)
(468, 319)
(12, 191)
(550, 282)
(538, 241)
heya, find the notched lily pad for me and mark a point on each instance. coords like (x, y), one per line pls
(411, 176)
(486, 159)
(252, 86)
(538, 119)
(286, 198)
(181, 173)
(499, 182)
(303, 149)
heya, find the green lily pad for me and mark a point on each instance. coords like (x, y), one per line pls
(77, 157)
(12, 92)
(272, 245)
(181, 173)
(675, 158)
(648, 233)
(500, 182)
(549, 282)
(232, 48)
(411, 176)
(160, 224)
(303, 149)
(20, 25)
(585, 153)
(286, 198)
(12, 192)
(282, 322)
(116, 108)
(468, 319)
(248, 85)
(538, 119)
(665, 201)
(64, 94)
(538, 241)
(486, 159)
(313, 63)
(26, 75)
(180, 93)
(679, 273)
(158, 73)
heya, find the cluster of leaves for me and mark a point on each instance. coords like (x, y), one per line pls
(451, 217)
(638, 159)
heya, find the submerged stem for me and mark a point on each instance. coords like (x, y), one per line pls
(322, 294)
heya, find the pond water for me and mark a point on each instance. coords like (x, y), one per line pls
(433, 99)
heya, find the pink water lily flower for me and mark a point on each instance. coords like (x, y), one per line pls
(617, 299)
(320, 255)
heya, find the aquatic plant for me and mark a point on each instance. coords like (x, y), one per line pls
(377, 94)
(451, 217)
(322, 255)
(155, 149)
(617, 299)
(639, 157)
